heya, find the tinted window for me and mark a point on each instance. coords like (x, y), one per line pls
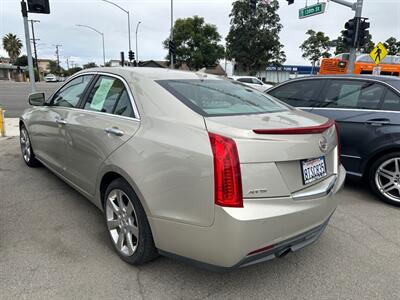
(70, 94)
(353, 94)
(246, 80)
(300, 93)
(109, 95)
(221, 97)
(391, 101)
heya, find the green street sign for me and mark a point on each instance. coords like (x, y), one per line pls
(312, 10)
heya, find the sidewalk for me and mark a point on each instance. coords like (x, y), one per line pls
(12, 128)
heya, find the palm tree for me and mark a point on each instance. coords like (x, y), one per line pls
(12, 44)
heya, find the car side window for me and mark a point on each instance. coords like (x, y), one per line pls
(302, 93)
(256, 81)
(109, 95)
(71, 93)
(353, 94)
(245, 80)
(391, 101)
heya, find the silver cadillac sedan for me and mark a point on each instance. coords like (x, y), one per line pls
(188, 165)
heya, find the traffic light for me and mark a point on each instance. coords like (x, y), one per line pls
(350, 32)
(39, 6)
(172, 47)
(131, 55)
(363, 33)
(290, 1)
(253, 4)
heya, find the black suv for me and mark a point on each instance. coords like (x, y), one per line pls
(367, 109)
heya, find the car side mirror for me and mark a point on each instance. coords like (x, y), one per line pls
(37, 99)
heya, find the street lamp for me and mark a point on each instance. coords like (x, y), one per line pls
(137, 53)
(129, 22)
(102, 37)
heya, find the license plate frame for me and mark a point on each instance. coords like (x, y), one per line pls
(314, 163)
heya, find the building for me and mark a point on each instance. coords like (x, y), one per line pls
(11, 72)
(43, 65)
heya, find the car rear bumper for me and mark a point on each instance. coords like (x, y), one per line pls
(276, 225)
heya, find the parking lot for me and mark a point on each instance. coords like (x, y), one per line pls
(53, 244)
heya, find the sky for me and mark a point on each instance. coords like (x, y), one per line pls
(81, 45)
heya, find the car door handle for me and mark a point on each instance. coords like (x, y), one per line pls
(61, 121)
(377, 122)
(114, 130)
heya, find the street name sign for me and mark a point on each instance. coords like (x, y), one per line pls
(312, 10)
(378, 53)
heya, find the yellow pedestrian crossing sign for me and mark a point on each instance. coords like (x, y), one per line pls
(378, 53)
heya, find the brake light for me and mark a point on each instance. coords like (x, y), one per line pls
(297, 130)
(227, 177)
(338, 144)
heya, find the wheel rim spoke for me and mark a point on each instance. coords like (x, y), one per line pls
(133, 229)
(129, 243)
(113, 224)
(120, 242)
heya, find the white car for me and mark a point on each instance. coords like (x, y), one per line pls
(252, 81)
(51, 78)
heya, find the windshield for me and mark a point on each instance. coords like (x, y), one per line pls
(221, 97)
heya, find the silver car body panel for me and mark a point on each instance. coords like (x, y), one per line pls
(166, 156)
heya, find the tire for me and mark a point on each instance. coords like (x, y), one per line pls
(384, 178)
(129, 224)
(26, 148)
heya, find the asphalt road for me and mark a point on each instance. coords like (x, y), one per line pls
(54, 244)
(14, 95)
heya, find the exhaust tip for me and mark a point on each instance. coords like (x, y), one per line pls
(283, 252)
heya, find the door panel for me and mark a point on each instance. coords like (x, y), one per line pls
(354, 104)
(48, 137)
(48, 123)
(94, 132)
(88, 144)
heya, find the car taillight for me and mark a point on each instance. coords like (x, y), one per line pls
(338, 144)
(227, 177)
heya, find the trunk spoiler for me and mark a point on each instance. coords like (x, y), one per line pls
(297, 130)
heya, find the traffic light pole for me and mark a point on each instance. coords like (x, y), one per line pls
(28, 46)
(357, 7)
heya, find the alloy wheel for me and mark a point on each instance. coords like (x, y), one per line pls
(122, 222)
(387, 179)
(25, 145)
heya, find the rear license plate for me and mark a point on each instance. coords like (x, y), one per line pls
(313, 169)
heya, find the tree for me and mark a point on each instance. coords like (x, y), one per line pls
(72, 71)
(392, 46)
(90, 65)
(253, 39)
(22, 61)
(12, 44)
(197, 43)
(342, 48)
(316, 46)
(54, 69)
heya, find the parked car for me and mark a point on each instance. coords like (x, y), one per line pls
(254, 82)
(51, 78)
(367, 109)
(188, 165)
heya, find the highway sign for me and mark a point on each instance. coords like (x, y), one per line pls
(378, 53)
(312, 10)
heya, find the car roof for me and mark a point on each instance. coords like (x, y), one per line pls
(151, 73)
(384, 78)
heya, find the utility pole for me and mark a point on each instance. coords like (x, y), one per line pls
(67, 61)
(34, 45)
(357, 7)
(172, 32)
(24, 12)
(58, 56)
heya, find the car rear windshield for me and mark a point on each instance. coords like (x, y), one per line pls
(214, 97)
